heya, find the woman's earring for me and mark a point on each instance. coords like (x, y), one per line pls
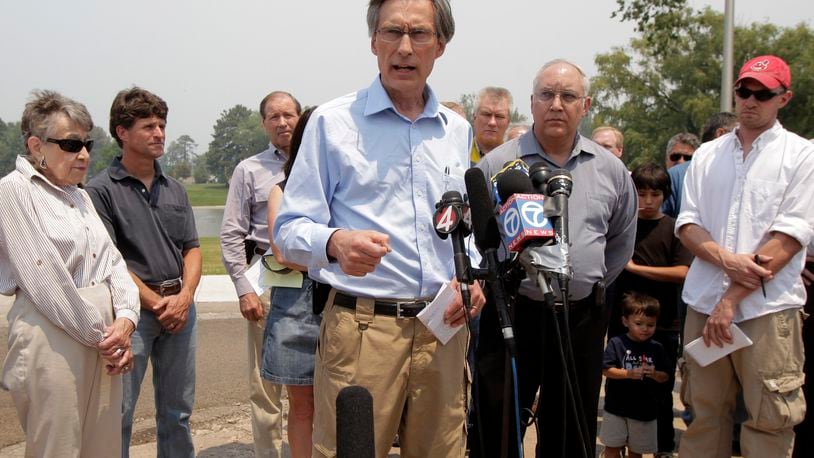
(43, 165)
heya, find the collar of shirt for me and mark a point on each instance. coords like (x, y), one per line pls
(530, 143)
(274, 151)
(378, 101)
(764, 138)
(118, 172)
(29, 172)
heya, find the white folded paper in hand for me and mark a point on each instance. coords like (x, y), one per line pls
(707, 355)
(433, 315)
(262, 279)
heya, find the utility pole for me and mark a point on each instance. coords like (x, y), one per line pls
(727, 78)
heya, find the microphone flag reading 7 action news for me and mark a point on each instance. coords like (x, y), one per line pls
(521, 219)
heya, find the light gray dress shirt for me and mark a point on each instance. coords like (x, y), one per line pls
(245, 216)
(602, 209)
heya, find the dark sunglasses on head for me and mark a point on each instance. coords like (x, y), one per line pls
(70, 145)
(676, 156)
(761, 95)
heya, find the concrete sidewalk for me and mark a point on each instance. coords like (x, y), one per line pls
(213, 289)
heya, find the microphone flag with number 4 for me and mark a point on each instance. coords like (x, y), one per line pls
(522, 219)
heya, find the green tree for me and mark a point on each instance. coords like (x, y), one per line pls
(104, 150)
(11, 145)
(200, 173)
(179, 156)
(237, 135)
(668, 79)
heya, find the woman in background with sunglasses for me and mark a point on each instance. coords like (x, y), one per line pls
(76, 305)
(292, 329)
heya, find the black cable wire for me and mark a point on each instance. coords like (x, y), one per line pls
(569, 384)
(571, 369)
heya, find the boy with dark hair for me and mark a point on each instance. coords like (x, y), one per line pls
(658, 267)
(633, 364)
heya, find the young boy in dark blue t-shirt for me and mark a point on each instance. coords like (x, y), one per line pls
(634, 364)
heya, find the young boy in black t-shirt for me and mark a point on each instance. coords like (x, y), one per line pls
(633, 363)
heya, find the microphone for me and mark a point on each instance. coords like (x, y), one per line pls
(516, 165)
(522, 218)
(354, 423)
(558, 187)
(556, 184)
(487, 238)
(452, 218)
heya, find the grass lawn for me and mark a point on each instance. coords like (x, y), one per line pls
(210, 251)
(207, 194)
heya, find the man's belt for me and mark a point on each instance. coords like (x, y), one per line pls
(396, 308)
(595, 299)
(166, 287)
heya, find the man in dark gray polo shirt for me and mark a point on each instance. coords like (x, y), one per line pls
(244, 236)
(149, 217)
(602, 226)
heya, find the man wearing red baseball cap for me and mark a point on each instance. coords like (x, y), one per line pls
(747, 241)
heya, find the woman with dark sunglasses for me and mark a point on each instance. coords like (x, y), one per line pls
(75, 305)
(292, 329)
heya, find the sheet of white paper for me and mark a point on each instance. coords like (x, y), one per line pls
(433, 315)
(262, 279)
(708, 355)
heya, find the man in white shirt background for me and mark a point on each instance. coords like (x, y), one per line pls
(748, 246)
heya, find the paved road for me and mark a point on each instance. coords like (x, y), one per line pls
(220, 423)
(221, 377)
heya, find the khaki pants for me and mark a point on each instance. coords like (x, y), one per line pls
(770, 372)
(419, 387)
(67, 404)
(264, 396)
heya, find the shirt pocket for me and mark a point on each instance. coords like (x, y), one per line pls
(762, 201)
(174, 219)
(598, 213)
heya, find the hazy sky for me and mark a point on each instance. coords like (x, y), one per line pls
(205, 56)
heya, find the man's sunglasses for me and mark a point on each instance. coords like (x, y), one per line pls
(70, 145)
(761, 95)
(676, 156)
(272, 265)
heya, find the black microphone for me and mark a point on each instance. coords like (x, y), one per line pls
(558, 188)
(487, 238)
(451, 215)
(556, 184)
(513, 181)
(354, 423)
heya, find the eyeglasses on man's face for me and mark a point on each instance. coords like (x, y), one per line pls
(70, 145)
(761, 95)
(417, 36)
(566, 97)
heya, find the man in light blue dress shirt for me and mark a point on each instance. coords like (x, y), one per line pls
(358, 211)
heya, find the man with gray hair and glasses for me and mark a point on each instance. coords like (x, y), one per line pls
(358, 211)
(602, 226)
